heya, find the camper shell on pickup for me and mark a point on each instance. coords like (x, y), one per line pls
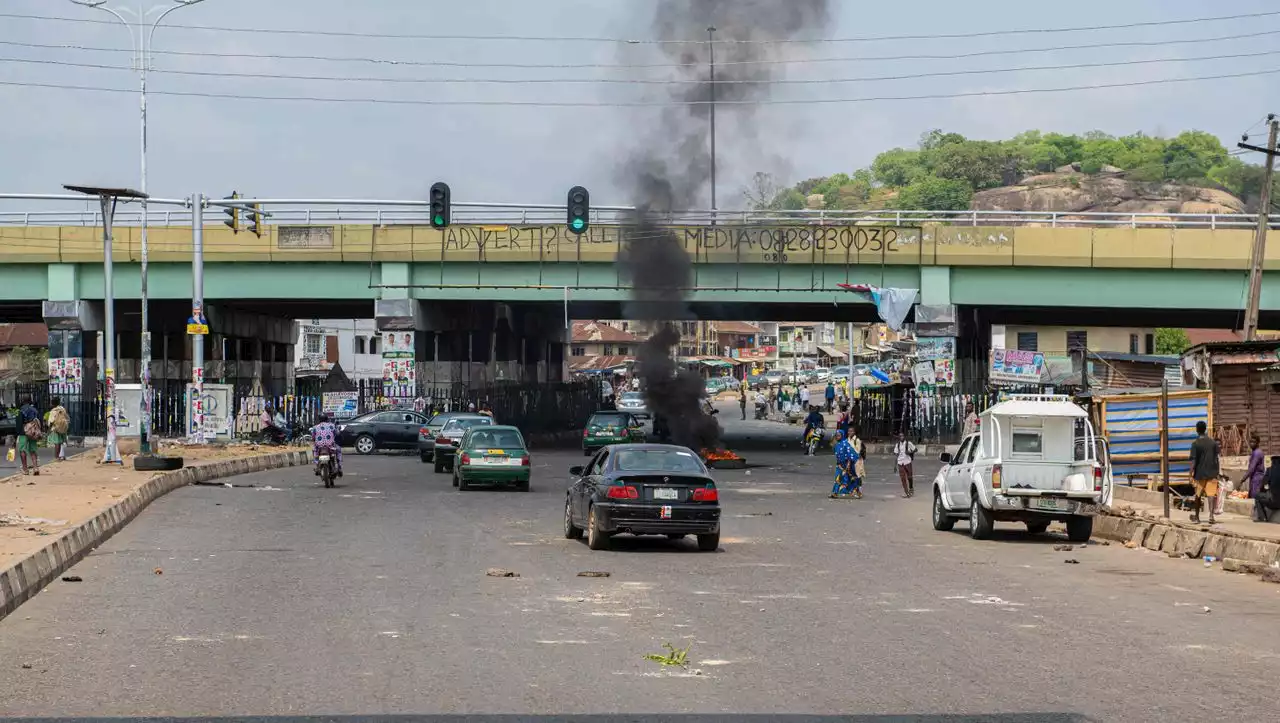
(1035, 459)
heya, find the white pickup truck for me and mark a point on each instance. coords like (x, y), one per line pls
(1036, 460)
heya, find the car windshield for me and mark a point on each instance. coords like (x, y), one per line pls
(465, 423)
(665, 460)
(497, 438)
(608, 420)
(632, 397)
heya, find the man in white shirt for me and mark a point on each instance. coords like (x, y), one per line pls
(804, 397)
(904, 452)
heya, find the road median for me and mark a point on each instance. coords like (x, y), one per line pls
(49, 522)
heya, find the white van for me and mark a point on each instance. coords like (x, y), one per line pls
(1036, 460)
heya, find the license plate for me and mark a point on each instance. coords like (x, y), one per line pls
(1050, 504)
(324, 458)
(666, 494)
(509, 461)
(666, 512)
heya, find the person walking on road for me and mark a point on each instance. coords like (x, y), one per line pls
(848, 482)
(1257, 467)
(804, 396)
(59, 424)
(831, 397)
(29, 435)
(742, 400)
(1204, 471)
(904, 451)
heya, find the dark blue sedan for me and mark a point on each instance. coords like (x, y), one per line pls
(643, 489)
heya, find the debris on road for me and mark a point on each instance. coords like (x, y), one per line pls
(1206, 610)
(26, 666)
(756, 514)
(594, 573)
(1062, 548)
(1071, 561)
(220, 484)
(72, 578)
(1130, 545)
(499, 572)
(158, 571)
(673, 657)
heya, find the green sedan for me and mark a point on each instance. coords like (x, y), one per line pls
(492, 455)
(606, 428)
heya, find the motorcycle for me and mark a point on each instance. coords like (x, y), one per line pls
(762, 410)
(812, 440)
(328, 467)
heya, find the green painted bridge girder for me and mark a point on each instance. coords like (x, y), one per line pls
(1173, 289)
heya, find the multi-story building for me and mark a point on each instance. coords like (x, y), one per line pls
(1062, 340)
(599, 345)
(351, 343)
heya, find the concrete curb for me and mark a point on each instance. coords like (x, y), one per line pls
(1184, 540)
(29, 576)
(1153, 497)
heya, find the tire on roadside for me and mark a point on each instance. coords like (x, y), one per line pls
(157, 464)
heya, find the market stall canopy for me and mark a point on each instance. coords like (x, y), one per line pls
(832, 352)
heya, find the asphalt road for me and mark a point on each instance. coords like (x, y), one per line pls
(291, 600)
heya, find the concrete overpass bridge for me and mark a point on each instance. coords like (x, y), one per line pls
(498, 284)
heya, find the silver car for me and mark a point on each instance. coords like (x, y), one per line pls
(633, 402)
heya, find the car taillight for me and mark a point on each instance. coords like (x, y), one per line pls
(706, 494)
(466, 458)
(423, 431)
(442, 440)
(623, 493)
(586, 433)
(524, 461)
(1097, 478)
(997, 475)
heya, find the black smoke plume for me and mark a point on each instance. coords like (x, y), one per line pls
(670, 170)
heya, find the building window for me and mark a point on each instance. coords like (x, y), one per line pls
(1077, 340)
(578, 351)
(360, 343)
(312, 344)
(608, 349)
(1151, 343)
(1028, 341)
(375, 344)
(624, 350)
(1133, 343)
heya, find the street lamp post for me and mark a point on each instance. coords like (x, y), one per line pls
(711, 46)
(107, 197)
(141, 42)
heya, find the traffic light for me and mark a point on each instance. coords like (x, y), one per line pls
(234, 222)
(255, 220)
(579, 209)
(440, 205)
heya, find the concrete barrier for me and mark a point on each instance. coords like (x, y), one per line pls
(30, 575)
(1184, 540)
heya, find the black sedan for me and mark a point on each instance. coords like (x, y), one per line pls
(382, 430)
(643, 489)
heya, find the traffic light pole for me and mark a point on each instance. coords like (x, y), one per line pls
(196, 413)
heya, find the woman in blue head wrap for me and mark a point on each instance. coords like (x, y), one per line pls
(847, 483)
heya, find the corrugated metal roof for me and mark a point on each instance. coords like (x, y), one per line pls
(1034, 408)
(14, 335)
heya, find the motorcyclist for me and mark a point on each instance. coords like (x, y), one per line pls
(814, 423)
(762, 405)
(271, 426)
(325, 437)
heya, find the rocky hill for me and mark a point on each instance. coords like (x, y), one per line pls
(1069, 191)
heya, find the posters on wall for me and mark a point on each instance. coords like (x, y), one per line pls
(216, 407)
(934, 348)
(1012, 366)
(944, 371)
(342, 405)
(399, 373)
(66, 375)
(923, 375)
(397, 345)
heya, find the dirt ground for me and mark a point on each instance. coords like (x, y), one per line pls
(34, 510)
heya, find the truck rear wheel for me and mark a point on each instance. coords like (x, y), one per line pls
(981, 523)
(1079, 528)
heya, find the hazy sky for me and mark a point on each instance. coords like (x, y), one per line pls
(533, 154)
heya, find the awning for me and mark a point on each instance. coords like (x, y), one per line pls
(832, 352)
(718, 363)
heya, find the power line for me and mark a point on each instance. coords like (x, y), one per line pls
(636, 41)
(653, 104)
(698, 64)
(640, 81)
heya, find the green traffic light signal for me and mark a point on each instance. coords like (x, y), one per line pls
(438, 220)
(579, 208)
(578, 224)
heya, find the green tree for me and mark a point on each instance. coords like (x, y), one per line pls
(897, 167)
(1172, 342)
(936, 194)
(32, 363)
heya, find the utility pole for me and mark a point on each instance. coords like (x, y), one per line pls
(711, 46)
(1258, 255)
(197, 305)
(141, 42)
